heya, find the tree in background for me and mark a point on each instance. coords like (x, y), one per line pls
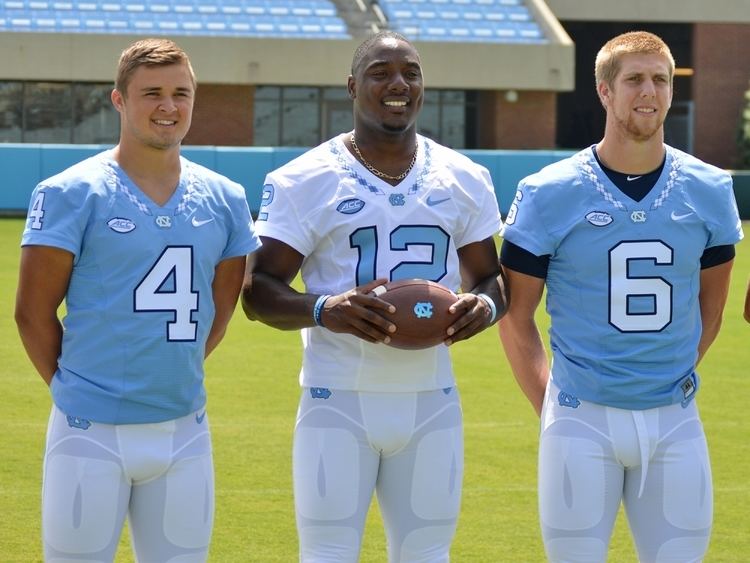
(744, 133)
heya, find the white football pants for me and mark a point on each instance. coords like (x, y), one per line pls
(592, 457)
(159, 475)
(406, 447)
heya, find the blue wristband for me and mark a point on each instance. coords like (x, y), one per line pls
(318, 309)
(487, 299)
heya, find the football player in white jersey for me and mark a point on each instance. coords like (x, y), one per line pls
(376, 204)
(635, 243)
(148, 251)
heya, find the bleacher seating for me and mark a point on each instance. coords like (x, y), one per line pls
(506, 21)
(489, 21)
(312, 19)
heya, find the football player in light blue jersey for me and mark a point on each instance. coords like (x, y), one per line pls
(378, 203)
(148, 252)
(634, 241)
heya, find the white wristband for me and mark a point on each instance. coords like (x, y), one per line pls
(490, 303)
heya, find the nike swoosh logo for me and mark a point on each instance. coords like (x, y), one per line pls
(676, 217)
(432, 202)
(631, 178)
(199, 417)
(199, 223)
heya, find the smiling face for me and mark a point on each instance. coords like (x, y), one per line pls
(387, 88)
(638, 98)
(156, 110)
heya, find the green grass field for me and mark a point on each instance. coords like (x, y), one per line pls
(253, 393)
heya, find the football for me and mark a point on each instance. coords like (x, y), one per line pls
(421, 316)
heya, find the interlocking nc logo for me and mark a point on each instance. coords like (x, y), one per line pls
(568, 400)
(320, 392)
(164, 221)
(423, 309)
(397, 200)
(78, 422)
(638, 216)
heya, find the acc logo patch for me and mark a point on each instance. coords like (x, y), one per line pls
(350, 206)
(599, 218)
(121, 225)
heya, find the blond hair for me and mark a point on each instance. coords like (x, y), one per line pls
(150, 53)
(635, 42)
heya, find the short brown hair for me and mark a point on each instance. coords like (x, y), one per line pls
(635, 42)
(149, 52)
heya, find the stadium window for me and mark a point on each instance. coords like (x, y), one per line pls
(453, 119)
(11, 112)
(449, 117)
(337, 112)
(56, 112)
(267, 116)
(300, 117)
(429, 118)
(95, 120)
(47, 112)
(306, 116)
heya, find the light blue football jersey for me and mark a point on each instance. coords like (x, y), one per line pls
(624, 276)
(139, 304)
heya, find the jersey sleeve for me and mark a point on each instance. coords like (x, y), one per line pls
(524, 225)
(242, 238)
(723, 220)
(57, 217)
(489, 222)
(708, 190)
(516, 258)
(484, 218)
(279, 216)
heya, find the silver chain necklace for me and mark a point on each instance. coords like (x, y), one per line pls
(377, 172)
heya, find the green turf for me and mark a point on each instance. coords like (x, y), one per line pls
(253, 392)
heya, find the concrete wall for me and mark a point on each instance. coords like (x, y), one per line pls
(724, 11)
(301, 62)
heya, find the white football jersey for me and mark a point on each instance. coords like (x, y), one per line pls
(352, 228)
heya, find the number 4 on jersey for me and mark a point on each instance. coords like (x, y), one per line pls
(36, 213)
(168, 287)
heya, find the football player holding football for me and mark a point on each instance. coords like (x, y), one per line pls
(377, 204)
(634, 241)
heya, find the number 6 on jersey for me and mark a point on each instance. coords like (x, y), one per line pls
(624, 287)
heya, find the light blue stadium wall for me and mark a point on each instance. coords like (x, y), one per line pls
(25, 165)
